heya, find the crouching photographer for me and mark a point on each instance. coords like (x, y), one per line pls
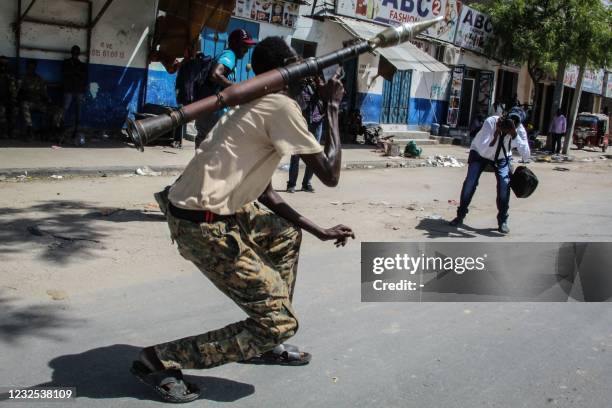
(498, 134)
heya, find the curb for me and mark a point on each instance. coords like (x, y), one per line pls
(175, 169)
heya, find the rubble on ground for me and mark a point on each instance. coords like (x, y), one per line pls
(442, 161)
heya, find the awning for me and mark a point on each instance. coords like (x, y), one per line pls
(403, 57)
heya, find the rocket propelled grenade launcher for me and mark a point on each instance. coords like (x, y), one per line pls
(144, 131)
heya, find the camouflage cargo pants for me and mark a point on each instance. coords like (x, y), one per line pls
(52, 113)
(252, 258)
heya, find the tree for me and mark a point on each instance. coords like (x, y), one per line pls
(524, 32)
(590, 43)
(547, 35)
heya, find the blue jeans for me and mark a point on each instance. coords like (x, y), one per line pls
(476, 165)
(294, 165)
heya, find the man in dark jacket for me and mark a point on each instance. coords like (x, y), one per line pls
(74, 81)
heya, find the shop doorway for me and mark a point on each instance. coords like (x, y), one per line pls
(396, 98)
(507, 84)
(467, 93)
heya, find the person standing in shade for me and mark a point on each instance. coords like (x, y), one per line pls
(557, 130)
(74, 82)
(492, 146)
(222, 75)
(8, 100)
(313, 111)
(33, 97)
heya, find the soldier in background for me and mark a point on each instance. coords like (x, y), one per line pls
(33, 97)
(8, 100)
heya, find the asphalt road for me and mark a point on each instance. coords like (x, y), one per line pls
(74, 312)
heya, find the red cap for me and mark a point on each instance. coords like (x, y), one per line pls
(241, 36)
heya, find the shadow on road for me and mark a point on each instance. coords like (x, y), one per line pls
(66, 228)
(103, 373)
(441, 229)
(18, 322)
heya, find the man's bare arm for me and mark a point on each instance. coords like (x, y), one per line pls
(219, 74)
(278, 206)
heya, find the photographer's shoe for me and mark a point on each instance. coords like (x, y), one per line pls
(456, 222)
(503, 228)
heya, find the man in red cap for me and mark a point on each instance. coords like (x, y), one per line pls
(222, 75)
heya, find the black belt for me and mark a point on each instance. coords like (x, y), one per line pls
(198, 216)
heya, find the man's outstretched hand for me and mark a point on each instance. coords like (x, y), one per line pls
(341, 233)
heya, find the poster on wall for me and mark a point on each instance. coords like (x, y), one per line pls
(291, 14)
(593, 81)
(271, 11)
(262, 11)
(609, 86)
(454, 103)
(474, 30)
(397, 12)
(485, 88)
(571, 76)
(243, 8)
(277, 13)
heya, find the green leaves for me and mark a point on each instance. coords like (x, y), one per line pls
(544, 33)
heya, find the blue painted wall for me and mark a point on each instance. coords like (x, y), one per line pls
(421, 111)
(161, 88)
(370, 105)
(115, 92)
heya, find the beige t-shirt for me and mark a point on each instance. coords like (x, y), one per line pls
(235, 164)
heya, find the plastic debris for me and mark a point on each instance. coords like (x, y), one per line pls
(434, 217)
(146, 171)
(55, 176)
(57, 294)
(412, 150)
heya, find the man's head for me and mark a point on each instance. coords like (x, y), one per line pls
(239, 41)
(507, 126)
(271, 53)
(75, 51)
(31, 66)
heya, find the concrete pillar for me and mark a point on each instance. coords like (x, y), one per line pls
(597, 104)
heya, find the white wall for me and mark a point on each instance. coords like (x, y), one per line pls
(430, 85)
(120, 38)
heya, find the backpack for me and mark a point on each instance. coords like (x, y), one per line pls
(192, 79)
(523, 181)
